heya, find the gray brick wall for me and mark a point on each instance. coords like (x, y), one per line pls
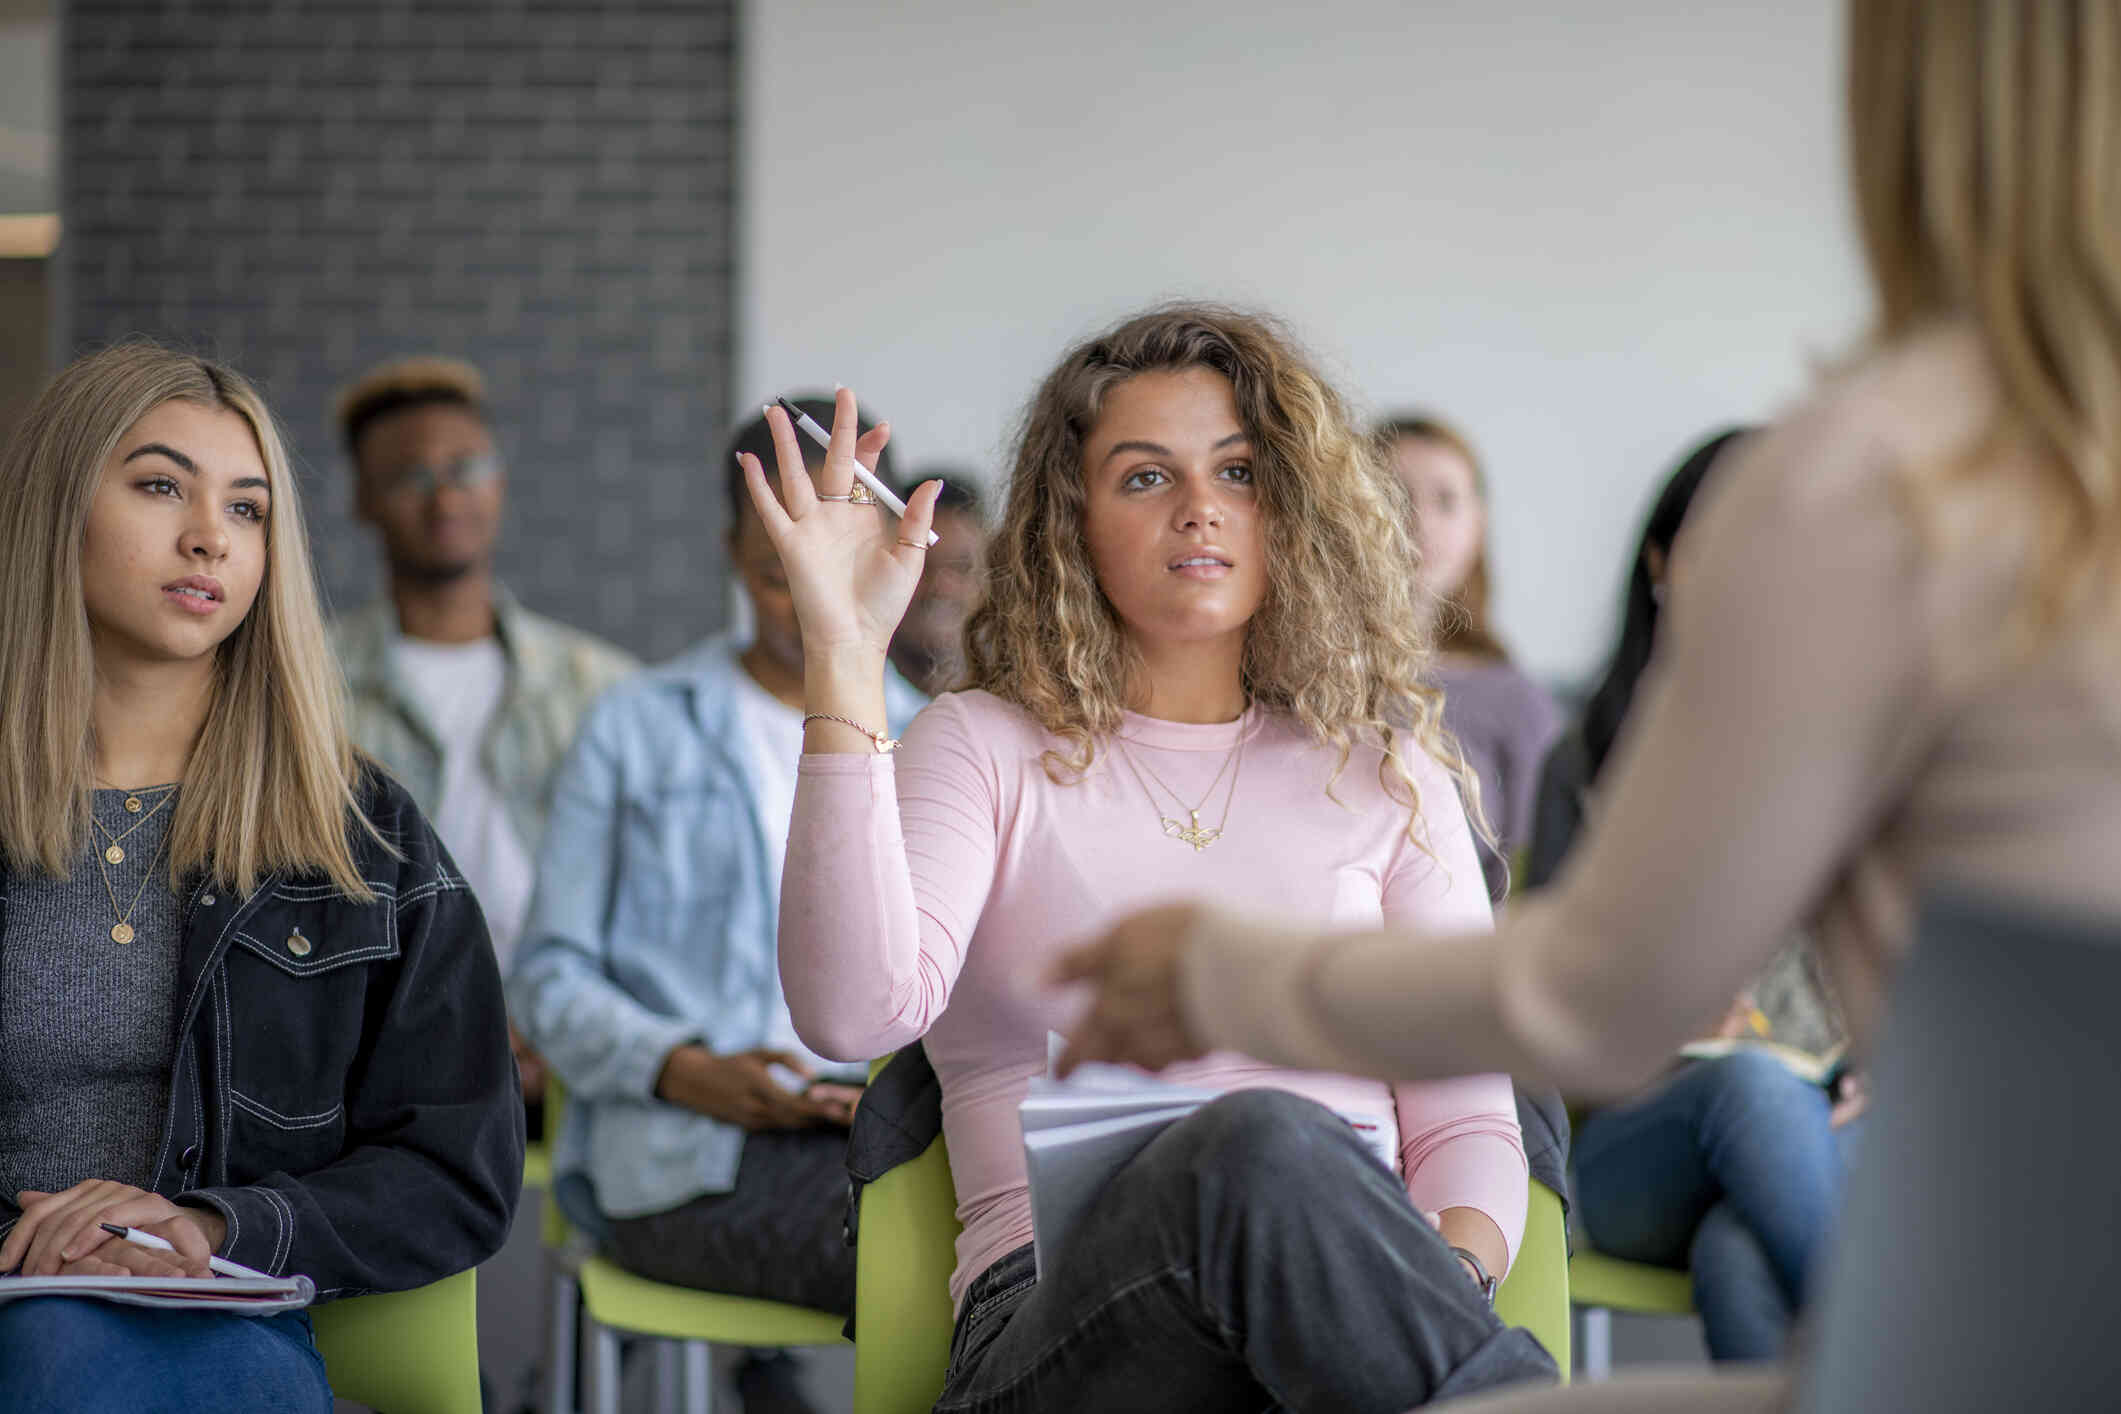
(544, 187)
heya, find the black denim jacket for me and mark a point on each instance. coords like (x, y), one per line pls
(344, 1094)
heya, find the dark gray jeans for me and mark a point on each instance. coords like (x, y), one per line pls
(1255, 1256)
(778, 1235)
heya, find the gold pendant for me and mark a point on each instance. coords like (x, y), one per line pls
(121, 933)
(115, 854)
(1198, 835)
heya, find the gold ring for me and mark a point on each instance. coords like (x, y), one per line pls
(823, 497)
(861, 495)
(913, 544)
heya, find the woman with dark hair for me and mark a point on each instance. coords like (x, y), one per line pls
(1730, 1166)
(1501, 719)
(1573, 764)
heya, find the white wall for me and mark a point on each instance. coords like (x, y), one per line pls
(1587, 231)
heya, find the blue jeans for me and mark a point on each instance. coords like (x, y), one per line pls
(74, 1355)
(1731, 1169)
(1255, 1255)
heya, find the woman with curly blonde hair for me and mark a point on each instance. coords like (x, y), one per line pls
(1193, 676)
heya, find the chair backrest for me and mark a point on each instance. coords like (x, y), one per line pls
(1976, 1261)
(1535, 1294)
(408, 1352)
(553, 1229)
(902, 1271)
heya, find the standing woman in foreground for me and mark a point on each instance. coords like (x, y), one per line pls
(1198, 632)
(245, 1002)
(1897, 662)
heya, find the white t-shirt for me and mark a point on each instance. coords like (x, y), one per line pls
(771, 735)
(458, 686)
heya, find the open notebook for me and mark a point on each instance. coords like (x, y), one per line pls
(247, 1296)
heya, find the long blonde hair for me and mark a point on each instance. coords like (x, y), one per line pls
(1339, 644)
(1985, 141)
(269, 785)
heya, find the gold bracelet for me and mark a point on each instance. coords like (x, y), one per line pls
(885, 745)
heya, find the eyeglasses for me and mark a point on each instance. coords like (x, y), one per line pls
(426, 478)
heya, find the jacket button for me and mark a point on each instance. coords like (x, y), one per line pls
(297, 944)
(208, 900)
(189, 1158)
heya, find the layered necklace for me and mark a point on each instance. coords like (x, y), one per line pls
(113, 852)
(1192, 831)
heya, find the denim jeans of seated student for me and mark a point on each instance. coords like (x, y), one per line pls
(72, 1355)
(1730, 1168)
(1254, 1256)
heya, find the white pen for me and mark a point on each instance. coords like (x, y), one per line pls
(159, 1244)
(868, 478)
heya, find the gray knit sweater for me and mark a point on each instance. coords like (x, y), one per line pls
(88, 1026)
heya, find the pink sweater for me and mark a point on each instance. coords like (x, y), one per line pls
(927, 894)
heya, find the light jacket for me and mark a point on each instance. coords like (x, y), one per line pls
(554, 674)
(654, 924)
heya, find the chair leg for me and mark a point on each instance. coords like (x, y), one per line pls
(561, 1325)
(600, 1347)
(699, 1377)
(1597, 1344)
(669, 1376)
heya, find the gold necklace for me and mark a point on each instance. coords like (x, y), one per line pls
(114, 851)
(121, 932)
(1196, 834)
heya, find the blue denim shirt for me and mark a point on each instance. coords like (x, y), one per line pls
(654, 924)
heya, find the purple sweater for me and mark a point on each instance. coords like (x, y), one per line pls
(1505, 724)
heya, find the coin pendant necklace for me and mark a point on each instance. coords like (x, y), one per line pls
(113, 845)
(121, 932)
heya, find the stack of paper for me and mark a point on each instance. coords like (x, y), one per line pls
(1081, 1131)
(266, 1296)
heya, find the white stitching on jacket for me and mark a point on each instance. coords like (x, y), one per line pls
(280, 1121)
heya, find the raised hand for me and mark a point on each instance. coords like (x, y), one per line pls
(851, 568)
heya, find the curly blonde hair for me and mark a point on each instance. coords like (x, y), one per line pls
(1339, 644)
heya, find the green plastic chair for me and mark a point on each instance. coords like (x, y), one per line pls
(1600, 1285)
(614, 1302)
(1535, 1294)
(909, 1232)
(902, 1266)
(407, 1352)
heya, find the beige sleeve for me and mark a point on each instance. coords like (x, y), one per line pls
(1789, 705)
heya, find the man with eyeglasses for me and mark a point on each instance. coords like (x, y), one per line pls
(465, 696)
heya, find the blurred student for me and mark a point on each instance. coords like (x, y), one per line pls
(244, 1002)
(701, 1140)
(1502, 720)
(1731, 1165)
(929, 647)
(1895, 663)
(465, 696)
(1177, 689)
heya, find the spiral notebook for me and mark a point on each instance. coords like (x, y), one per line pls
(268, 1296)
